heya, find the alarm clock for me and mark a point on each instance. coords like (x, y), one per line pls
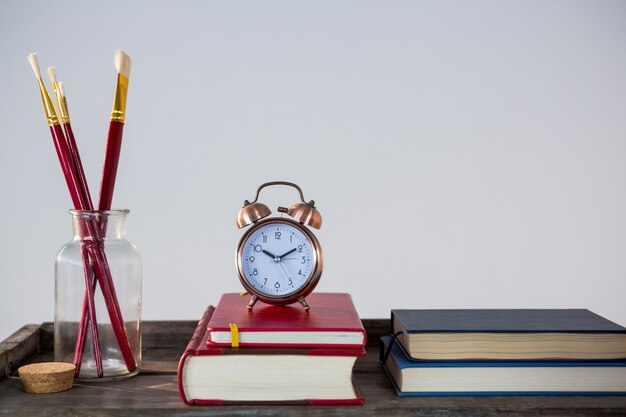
(279, 260)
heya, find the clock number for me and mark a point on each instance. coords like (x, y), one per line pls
(277, 235)
(291, 238)
(299, 248)
(300, 272)
(303, 260)
(255, 272)
(264, 238)
(258, 248)
(290, 281)
(251, 259)
(264, 282)
(277, 284)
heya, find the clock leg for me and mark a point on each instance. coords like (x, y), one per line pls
(304, 304)
(252, 302)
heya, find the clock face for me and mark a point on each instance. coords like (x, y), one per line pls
(278, 258)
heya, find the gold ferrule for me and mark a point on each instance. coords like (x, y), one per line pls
(61, 103)
(48, 106)
(118, 114)
(65, 114)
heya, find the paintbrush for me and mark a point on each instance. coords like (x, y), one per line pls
(58, 137)
(116, 128)
(102, 271)
(88, 315)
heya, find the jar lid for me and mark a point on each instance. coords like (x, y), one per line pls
(47, 377)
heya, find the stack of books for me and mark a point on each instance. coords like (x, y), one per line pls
(504, 352)
(274, 354)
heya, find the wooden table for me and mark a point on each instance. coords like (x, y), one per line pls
(154, 391)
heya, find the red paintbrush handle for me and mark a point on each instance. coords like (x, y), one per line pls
(78, 199)
(111, 160)
(109, 174)
(103, 274)
(78, 164)
(64, 159)
(89, 310)
(88, 317)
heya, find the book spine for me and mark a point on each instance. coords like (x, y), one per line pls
(200, 331)
(192, 348)
(392, 325)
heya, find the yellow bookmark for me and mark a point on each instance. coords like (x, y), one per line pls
(234, 335)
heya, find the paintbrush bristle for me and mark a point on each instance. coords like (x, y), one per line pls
(34, 62)
(61, 89)
(52, 75)
(122, 63)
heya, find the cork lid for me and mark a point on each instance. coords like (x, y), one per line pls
(47, 377)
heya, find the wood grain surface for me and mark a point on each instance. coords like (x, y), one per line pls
(154, 391)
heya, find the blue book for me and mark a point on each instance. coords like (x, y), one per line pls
(459, 378)
(542, 334)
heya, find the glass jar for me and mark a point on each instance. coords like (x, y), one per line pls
(100, 255)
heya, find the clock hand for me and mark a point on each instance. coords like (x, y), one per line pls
(288, 253)
(284, 270)
(271, 255)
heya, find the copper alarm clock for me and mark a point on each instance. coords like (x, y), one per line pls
(279, 260)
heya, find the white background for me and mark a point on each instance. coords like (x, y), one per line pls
(463, 154)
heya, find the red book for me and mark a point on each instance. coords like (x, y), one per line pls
(332, 322)
(215, 375)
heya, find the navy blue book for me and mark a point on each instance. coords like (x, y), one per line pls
(508, 335)
(454, 378)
